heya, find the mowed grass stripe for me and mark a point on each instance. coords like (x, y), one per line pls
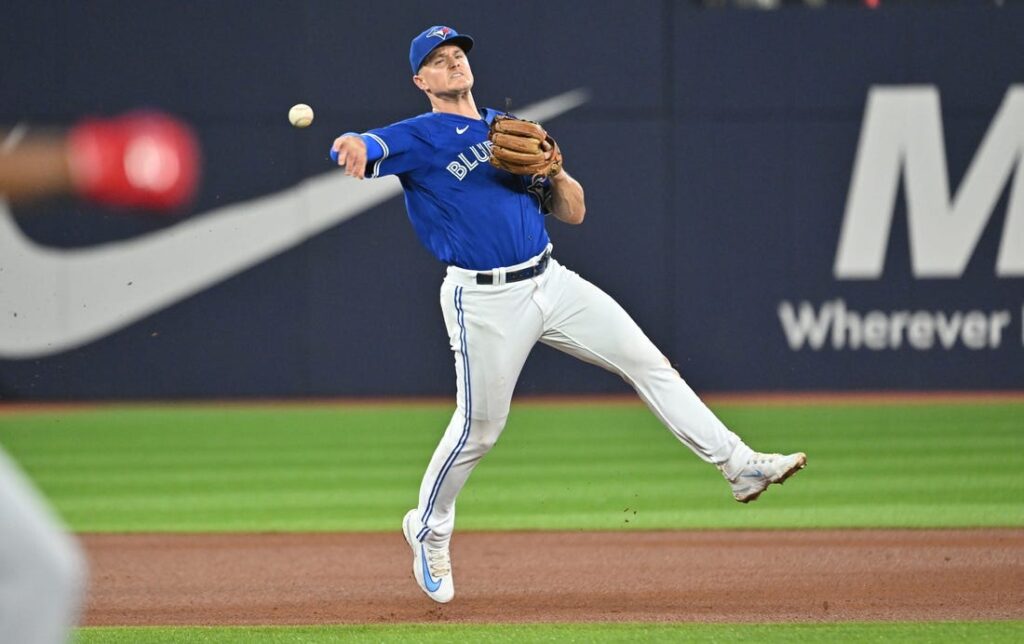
(611, 467)
(839, 632)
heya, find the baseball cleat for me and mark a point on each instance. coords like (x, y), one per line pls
(432, 567)
(761, 470)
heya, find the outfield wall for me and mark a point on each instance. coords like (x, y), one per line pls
(790, 200)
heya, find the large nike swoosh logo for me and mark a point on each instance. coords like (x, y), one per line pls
(53, 300)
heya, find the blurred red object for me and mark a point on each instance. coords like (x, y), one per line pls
(144, 160)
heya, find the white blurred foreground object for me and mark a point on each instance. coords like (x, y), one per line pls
(42, 569)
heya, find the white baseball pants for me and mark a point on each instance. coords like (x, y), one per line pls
(492, 329)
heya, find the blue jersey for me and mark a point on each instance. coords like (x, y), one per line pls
(465, 211)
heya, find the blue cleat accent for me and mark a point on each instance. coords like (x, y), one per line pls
(762, 470)
(428, 581)
(431, 567)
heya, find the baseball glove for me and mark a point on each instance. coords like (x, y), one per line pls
(523, 147)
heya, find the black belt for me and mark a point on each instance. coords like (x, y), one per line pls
(517, 276)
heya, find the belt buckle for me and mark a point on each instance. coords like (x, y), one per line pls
(490, 277)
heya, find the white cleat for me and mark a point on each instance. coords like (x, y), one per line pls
(431, 567)
(761, 470)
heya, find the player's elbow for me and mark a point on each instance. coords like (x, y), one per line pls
(570, 213)
(578, 209)
(570, 205)
(578, 213)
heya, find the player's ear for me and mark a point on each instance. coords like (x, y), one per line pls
(419, 82)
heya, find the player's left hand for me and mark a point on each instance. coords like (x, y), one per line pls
(351, 154)
(523, 147)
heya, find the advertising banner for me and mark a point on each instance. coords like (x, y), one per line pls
(784, 201)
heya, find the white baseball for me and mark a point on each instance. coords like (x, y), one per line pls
(301, 115)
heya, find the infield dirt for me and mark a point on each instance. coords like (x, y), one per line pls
(695, 576)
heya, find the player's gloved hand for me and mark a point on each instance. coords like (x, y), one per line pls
(523, 147)
(349, 151)
(141, 160)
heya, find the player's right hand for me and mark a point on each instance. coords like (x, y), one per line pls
(350, 151)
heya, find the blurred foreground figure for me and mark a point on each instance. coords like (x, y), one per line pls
(145, 160)
(42, 569)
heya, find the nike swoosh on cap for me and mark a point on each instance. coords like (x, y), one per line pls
(58, 299)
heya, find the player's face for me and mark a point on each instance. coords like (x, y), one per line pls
(445, 72)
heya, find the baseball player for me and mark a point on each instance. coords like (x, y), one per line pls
(478, 186)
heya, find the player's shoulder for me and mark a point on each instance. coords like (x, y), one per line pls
(412, 123)
(416, 127)
(420, 119)
(432, 125)
(443, 119)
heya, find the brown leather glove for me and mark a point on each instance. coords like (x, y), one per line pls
(523, 147)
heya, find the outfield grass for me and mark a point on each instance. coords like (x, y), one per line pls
(848, 632)
(605, 467)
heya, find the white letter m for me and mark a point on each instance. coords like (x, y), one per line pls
(902, 136)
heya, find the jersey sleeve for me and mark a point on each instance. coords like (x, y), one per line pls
(404, 145)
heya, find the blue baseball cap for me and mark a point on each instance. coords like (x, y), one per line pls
(433, 38)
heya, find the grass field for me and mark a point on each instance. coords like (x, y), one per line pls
(345, 469)
(414, 633)
(332, 468)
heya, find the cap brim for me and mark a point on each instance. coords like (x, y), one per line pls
(462, 41)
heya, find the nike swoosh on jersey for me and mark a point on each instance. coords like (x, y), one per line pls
(57, 299)
(460, 130)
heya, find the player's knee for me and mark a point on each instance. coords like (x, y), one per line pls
(641, 360)
(485, 443)
(483, 434)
